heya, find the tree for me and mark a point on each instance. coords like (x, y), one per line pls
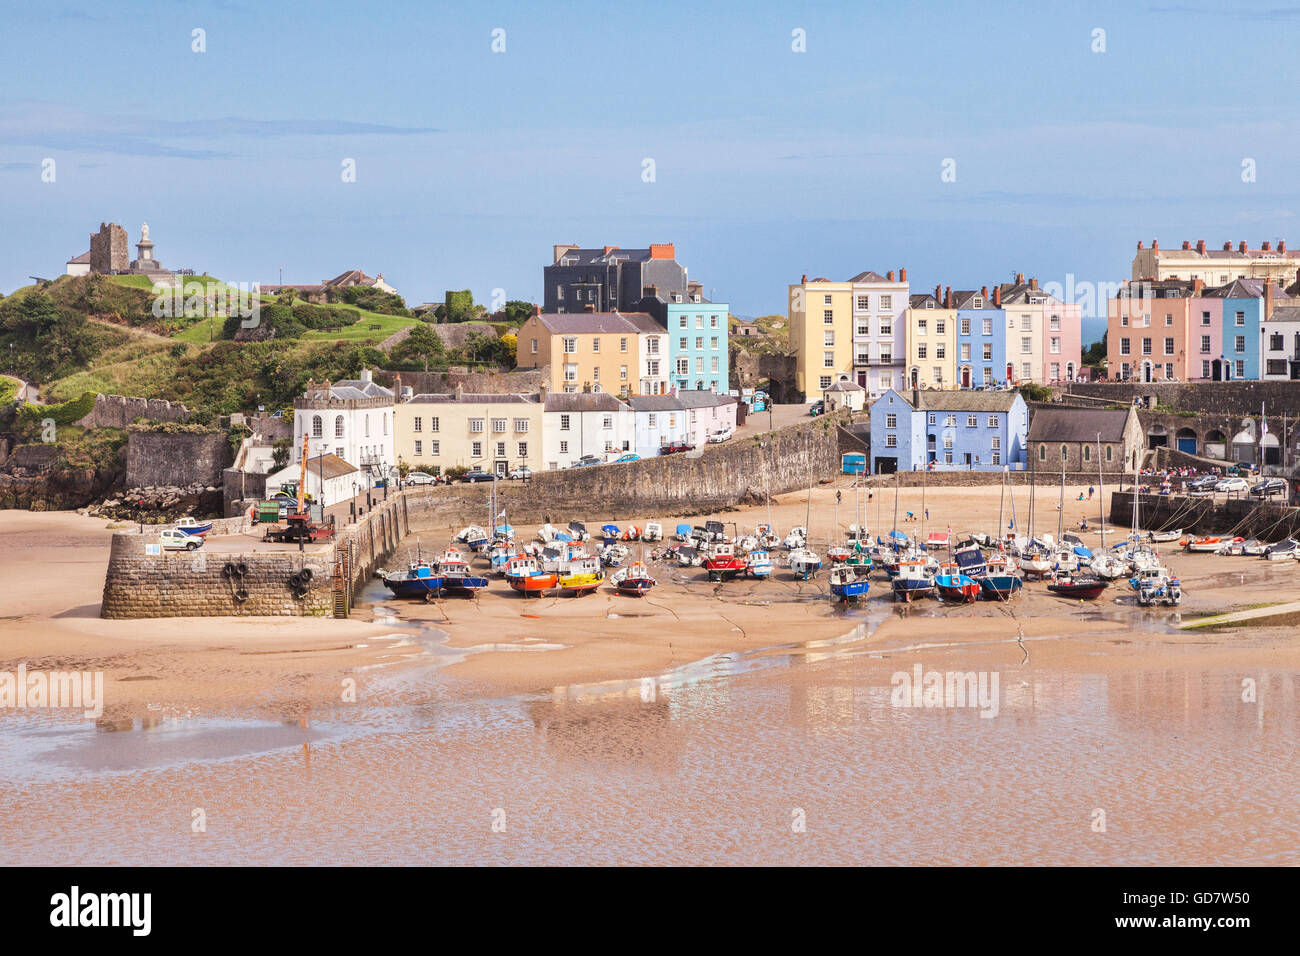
(422, 345)
(459, 305)
(1096, 353)
(517, 311)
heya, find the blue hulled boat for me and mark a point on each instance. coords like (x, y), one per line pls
(418, 581)
(849, 583)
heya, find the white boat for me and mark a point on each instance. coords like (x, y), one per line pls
(797, 538)
(758, 564)
(1163, 537)
(804, 563)
(1282, 551)
(654, 531)
(1065, 560)
(1108, 567)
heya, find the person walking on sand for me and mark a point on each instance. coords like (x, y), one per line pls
(838, 497)
(1090, 491)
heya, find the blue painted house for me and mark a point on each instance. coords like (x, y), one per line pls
(948, 431)
(1243, 314)
(697, 344)
(981, 340)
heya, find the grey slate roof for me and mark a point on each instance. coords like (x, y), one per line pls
(597, 323)
(1288, 313)
(355, 388)
(476, 398)
(1078, 424)
(702, 398)
(655, 403)
(934, 400)
(868, 276)
(583, 402)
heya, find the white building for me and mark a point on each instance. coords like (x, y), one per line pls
(585, 423)
(879, 336)
(352, 419)
(79, 265)
(652, 354)
(330, 479)
(659, 420)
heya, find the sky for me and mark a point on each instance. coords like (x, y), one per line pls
(1063, 146)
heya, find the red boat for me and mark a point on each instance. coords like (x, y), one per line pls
(637, 582)
(723, 563)
(525, 576)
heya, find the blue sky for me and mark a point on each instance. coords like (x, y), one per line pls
(768, 163)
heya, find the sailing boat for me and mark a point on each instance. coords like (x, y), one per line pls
(804, 562)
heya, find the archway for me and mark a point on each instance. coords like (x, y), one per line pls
(1069, 371)
(1185, 441)
(1157, 437)
(1272, 449)
(1243, 445)
(916, 378)
(1216, 444)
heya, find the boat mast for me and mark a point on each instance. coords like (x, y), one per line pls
(1101, 494)
(1060, 509)
(1002, 494)
(893, 536)
(1033, 497)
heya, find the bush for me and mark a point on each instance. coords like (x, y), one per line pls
(456, 472)
(65, 413)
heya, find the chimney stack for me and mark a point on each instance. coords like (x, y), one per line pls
(1198, 286)
(1033, 284)
(947, 297)
(803, 280)
(1020, 278)
(1268, 298)
(1200, 246)
(1265, 245)
(537, 310)
(1139, 243)
(1187, 245)
(1155, 245)
(984, 291)
(1242, 247)
(938, 294)
(889, 276)
(997, 297)
(902, 275)
(1281, 246)
(1227, 247)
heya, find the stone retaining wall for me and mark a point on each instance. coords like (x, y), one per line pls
(1247, 517)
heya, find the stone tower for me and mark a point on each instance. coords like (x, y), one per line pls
(108, 249)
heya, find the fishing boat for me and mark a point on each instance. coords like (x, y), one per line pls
(955, 586)
(1109, 567)
(1164, 537)
(723, 563)
(654, 531)
(612, 555)
(688, 556)
(914, 579)
(804, 563)
(525, 575)
(633, 581)
(1163, 590)
(192, 527)
(797, 537)
(860, 556)
(1204, 544)
(849, 583)
(758, 564)
(456, 577)
(1084, 587)
(969, 557)
(473, 537)
(1283, 550)
(1001, 579)
(417, 581)
(581, 576)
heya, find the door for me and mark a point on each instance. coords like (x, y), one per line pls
(1011, 373)
(967, 456)
(965, 378)
(886, 466)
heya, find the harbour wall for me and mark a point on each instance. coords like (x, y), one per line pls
(156, 459)
(195, 584)
(1247, 517)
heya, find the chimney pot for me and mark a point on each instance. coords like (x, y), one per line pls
(1242, 246)
(1265, 245)
(803, 280)
(1227, 247)
(938, 292)
(889, 276)
(1200, 246)
(1186, 245)
(1155, 245)
(902, 275)
(1281, 245)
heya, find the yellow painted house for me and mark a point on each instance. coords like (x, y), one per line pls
(494, 432)
(821, 334)
(586, 351)
(931, 347)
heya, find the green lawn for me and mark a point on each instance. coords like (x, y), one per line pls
(362, 331)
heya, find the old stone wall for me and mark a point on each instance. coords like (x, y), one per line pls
(108, 251)
(156, 458)
(970, 479)
(195, 584)
(1250, 518)
(1224, 398)
(118, 411)
(441, 383)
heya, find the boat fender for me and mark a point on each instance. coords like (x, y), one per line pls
(301, 591)
(295, 581)
(241, 569)
(241, 595)
(228, 570)
(305, 574)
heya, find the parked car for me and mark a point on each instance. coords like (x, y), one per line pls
(630, 456)
(478, 474)
(675, 447)
(721, 435)
(179, 541)
(818, 408)
(586, 460)
(1235, 483)
(521, 472)
(1201, 484)
(1246, 467)
(420, 478)
(1269, 486)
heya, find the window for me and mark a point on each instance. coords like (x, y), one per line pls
(921, 352)
(713, 321)
(653, 368)
(622, 345)
(622, 372)
(950, 421)
(1110, 454)
(317, 428)
(498, 426)
(1241, 318)
(681, 323)
(965, 326)
(418, 423)
(419, 447)
(683, 366)
(1042, 453)
(988, 374)
(864, 357)
(828, 316)
(570, 345)
(1026, 345)
(965, 352)
(864, 303)
(683, 344)
(501, 449)
(891, 441)
(886, 302)
(1123, 320)
(714, 363)
(828, 361)
(824, 382)
(886, 354)
(1056, 323)
(1205, 318)
(886, 326)
(940, 327)
(940, 351)
(521, 424)
(476, 425)
(435, 448)
(947, 441)
(1169, 346)
(828, 338)
(1275, 342)
(997, 442)
(1065, 453)
(534, 346)
(713, 342)
(570, 372)
(652, 345)
(1277, 366)
(947, 458)
(1124, 347)
(476, 449)
(988, 352)
(1205, 370)
(1169, 320)
(1055, 344)
(523, 449)
(997, 458)
(564, 423)
(564, 448)
(699, 340)
(933, 419)
(1055, 371)
(595, 344)
(1146, 346)
(1205, 345)
(972, 421)
(938, 375)
(433, 424)
(891, 420)
(1026, 370)
(1239, 343)
(1026, 323)
(862, 329)
(987, 327)
(595, 374)
(993, 419)
(922, 326)
(1240, 369)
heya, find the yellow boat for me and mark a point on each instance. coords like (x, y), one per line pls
(581, 575)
